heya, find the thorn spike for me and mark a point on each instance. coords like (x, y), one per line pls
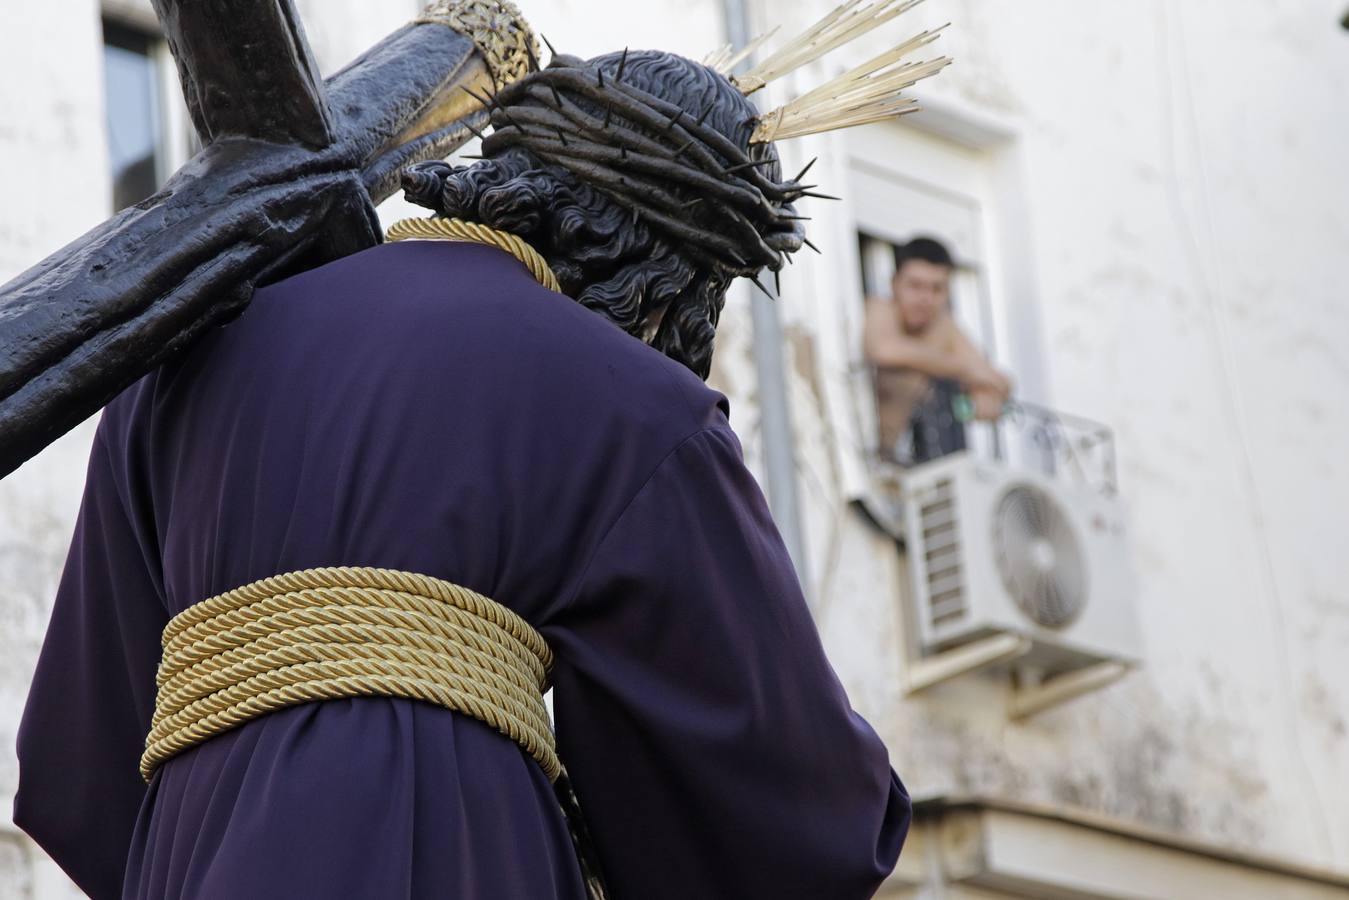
(748, 165)
(759, 284)
(549, 44)
(811, 246)
(622, 64)
(798, 178)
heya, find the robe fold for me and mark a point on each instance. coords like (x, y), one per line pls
(427, 406)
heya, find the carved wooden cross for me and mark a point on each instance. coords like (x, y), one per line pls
(288, 178)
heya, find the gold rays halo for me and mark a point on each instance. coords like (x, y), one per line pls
(867, 93)
(726, 58)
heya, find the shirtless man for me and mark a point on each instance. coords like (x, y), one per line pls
(912, 340)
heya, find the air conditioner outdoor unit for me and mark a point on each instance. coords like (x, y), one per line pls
(996, 551)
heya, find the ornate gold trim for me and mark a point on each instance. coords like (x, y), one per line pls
(501, 34)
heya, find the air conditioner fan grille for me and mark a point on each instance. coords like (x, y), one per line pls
(1039, 556)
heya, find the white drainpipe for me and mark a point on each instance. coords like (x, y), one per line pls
(774, 408)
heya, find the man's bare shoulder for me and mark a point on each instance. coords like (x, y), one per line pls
(880, 314)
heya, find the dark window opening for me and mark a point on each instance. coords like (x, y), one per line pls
(135, 113)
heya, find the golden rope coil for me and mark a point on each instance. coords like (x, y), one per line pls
(335, 632)
(443, 229)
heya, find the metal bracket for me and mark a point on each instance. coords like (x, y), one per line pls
(1027, 700)
(940, 667)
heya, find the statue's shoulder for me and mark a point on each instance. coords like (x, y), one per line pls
(454, 307)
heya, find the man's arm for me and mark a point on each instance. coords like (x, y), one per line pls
(986, 376)
(992, 391)
(885, 345)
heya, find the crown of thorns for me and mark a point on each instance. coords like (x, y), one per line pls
(655, 167)
(681, 175)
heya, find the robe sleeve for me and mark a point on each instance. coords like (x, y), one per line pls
(710, 743)
(92, 695)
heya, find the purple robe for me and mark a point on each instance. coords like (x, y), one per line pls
(428, 407)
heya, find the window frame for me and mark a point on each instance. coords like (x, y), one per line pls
(975, 158)
(175, 138)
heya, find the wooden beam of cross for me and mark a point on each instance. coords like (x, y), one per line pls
(291, 170)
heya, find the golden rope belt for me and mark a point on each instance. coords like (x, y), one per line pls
(329, 633)
(459, 230)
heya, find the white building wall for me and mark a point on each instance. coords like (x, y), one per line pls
(53, 150)
(1168, 217)
(1183, 213)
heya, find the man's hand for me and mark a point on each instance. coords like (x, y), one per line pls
(988, 404)
(979, 377)
(976, 374)
(989, 389)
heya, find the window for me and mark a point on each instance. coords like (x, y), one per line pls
(954, 179)
(934, 423)
(149, 134)
(134, 100)
(907, 184)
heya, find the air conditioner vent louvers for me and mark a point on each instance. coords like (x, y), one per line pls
(1038, 556)
(941, 543)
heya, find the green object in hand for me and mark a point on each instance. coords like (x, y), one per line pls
(963, 407)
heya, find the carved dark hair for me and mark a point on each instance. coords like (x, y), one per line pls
(588, 164)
